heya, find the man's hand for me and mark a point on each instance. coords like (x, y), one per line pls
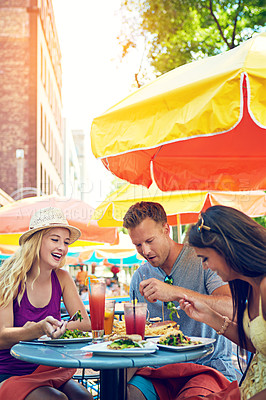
(153, 289)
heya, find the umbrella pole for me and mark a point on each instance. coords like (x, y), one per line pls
(121, 284)
(178, 228)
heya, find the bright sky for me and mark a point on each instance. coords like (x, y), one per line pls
(93, 78)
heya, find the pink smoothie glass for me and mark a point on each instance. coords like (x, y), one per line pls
(135, 318)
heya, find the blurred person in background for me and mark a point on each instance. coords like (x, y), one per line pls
(109, 287)
(93, 267)
(83, 292)
(81, 276)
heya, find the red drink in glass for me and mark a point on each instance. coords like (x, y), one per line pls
(135, 318)
(97, 306)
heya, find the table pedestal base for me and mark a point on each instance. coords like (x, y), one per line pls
(113, 384)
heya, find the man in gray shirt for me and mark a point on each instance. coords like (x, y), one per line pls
(173, 270)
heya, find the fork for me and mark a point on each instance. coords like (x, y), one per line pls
(75, 316)
(177, 308)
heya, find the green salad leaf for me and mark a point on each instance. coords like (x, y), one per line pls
(173, 310)
(75, 333)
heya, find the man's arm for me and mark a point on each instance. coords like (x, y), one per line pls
(220, 300)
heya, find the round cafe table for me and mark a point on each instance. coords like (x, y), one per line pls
(113, 379)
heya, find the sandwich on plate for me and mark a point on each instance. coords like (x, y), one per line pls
(119, 342)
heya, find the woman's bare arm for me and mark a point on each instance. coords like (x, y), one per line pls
(73, 301)
(263, 296)
(10, 335)
(201, 312)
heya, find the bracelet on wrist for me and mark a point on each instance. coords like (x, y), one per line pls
(224, 326)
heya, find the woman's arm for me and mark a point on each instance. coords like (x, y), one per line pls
(263, 296)
(201, 312)
(259, 396)
(10, 335)
(73, 301)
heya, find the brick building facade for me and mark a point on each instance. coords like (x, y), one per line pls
(31, 132)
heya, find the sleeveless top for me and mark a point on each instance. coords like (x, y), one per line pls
(27, 312)
(255, 330)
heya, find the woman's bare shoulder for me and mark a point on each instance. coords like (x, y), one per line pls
(63, 275)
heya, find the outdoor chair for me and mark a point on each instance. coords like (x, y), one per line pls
(90, 381)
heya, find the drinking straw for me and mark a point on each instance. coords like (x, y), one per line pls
(162, 311)
(89, 284)
(134, 310)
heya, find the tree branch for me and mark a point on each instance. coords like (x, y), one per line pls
(239, 8)
(217, 23)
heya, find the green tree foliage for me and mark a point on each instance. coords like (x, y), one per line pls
(261, 221)
(176, 32)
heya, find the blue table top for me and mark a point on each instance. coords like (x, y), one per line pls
(74, 356)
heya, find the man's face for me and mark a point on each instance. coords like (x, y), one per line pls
(151, 240)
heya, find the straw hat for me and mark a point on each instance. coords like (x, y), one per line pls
(49, 218)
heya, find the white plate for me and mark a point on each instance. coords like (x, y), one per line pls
(152, 336)
(46, 339)
(101, 349)
(204, 341)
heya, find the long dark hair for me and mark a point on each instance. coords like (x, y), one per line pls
(241, 241)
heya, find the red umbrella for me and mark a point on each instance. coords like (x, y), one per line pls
(15, 219)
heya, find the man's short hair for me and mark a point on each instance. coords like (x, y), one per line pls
(142, 210)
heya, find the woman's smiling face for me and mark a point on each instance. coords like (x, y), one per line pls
(54, 246)
(216, 262)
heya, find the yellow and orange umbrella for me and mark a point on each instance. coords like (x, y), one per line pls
(201, 126)
(15, 219)
(181, 207)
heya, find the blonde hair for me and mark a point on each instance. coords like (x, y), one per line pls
(13, 271)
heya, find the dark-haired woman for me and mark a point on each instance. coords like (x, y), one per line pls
(234, 246)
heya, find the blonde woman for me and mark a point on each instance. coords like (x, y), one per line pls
(31, 286)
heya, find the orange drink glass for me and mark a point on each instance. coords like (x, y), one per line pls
(109, 316)
(97, 305)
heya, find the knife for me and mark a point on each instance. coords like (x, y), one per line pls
(41, 343)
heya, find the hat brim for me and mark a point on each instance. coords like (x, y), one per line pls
(75, 233)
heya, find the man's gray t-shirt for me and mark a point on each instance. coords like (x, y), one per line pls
(188, 272)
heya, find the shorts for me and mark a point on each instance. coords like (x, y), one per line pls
(3, 377)
(145, 386)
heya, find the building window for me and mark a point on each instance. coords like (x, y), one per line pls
(41, 179)
(41, 64)
(44, 74)
(41, 122)
(48, 138)
(44, 186)
(45, 132)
